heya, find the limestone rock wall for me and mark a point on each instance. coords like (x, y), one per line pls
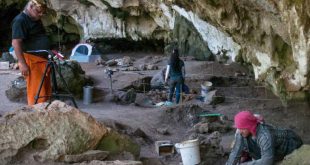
(270, 35)
(273, 38)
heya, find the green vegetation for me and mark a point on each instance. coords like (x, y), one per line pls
(276, 84)
(116, 143)
(189, 42)
(282, 52)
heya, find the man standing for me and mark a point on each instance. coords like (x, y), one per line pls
(28, 34)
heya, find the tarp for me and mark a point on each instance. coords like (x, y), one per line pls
(84, 49)
(84, 53)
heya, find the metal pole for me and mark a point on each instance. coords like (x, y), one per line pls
(110, 76)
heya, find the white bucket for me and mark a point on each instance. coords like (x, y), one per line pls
(205, 87)
(189, 152)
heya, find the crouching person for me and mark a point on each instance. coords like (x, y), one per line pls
(265, 144)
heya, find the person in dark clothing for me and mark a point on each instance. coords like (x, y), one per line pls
(28, 35)
(264, 143)
(176, 71)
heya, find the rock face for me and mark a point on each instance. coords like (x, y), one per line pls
(60, 130)
(271, 36)
(17, 90)
(72, 73)
(300, 157)
(74, 76)
(251, 31)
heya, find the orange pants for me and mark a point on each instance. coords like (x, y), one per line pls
(37, 66)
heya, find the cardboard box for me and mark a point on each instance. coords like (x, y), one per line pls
(164, 147)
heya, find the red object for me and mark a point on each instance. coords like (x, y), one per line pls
(58, 55)
(246, 120)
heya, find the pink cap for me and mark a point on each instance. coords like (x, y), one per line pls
(246, 120)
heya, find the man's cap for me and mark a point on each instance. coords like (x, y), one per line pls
(40, 3)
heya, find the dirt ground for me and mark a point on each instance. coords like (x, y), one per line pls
(241, 92)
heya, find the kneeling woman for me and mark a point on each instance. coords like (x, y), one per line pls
(264, 143)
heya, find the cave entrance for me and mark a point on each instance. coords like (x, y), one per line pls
(7, 15)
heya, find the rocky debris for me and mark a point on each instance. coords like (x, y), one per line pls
(100, 62)
(121, 97)
(186, 115)
(6, 56)
(219, 126)
(188, 97)
(139, 133)
(131, 68)
(141, 85)
(210, 148)
(125, 61)
(61, 129)
(117, 162)
(151, 67)
(72, 73)
(240, 74)
(150, 60)
(111, 97)
(163, 131)
(119, 127)
(208, 127)
(140, 136)
(213, 143)
(143, 67)
(143, 101)
(17, 90)
(112, 62)
(123, 155)
(298, 157)
(231, 81)
(86, 156)
(74, 76)
(151, 161)
(158, 95)
(202, 128)
(158, 80)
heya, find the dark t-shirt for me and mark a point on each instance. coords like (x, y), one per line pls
(31, 32)
(176, 72)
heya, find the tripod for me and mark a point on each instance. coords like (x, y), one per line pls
(53, 70)
(110, 73)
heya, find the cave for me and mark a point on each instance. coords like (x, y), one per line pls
(254, 53)
(7, 15)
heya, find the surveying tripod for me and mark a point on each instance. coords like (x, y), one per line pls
(52, 66)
